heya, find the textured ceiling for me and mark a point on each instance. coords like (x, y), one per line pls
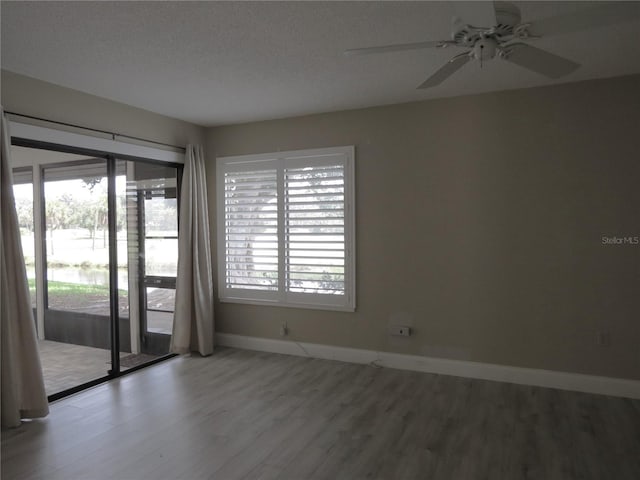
(214, 63)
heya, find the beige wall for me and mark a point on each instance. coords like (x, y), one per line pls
(29, 96)
(479, 223)
(479, 219)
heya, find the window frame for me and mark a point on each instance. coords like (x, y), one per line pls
(280, 161)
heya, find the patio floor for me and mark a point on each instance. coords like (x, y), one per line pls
(65, 365)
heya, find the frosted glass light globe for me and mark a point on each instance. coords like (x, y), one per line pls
(485, 49)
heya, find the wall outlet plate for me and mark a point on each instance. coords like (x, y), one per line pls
(400, 330)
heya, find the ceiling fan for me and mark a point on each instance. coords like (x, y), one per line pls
(505, 38)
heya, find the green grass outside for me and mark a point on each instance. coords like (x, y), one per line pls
(77, 297)
(66, 288)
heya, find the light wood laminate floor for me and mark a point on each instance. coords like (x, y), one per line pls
(250, 415)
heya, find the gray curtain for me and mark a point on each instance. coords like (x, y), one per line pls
(23, 394)
(193, 318)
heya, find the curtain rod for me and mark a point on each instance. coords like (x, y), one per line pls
(113, 134)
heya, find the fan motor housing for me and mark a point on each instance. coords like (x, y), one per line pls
(467, 36)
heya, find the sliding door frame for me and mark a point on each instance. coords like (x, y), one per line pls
(111, 160)
(114, 314)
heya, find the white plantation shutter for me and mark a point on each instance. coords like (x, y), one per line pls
(315, 248)
(286, 228)
(251, 230)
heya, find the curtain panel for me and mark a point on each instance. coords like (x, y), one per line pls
(193, 324)
(23, 392)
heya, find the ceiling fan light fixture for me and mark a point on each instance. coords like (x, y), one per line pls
(485, 49)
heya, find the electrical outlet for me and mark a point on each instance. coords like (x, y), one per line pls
(400, 330)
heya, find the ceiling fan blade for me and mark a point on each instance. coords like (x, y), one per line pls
(396, 47)
(478, 14)
(448, 69)
(593, 17)
(507, 13)
(538, 60)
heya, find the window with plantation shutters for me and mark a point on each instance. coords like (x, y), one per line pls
(286, 228)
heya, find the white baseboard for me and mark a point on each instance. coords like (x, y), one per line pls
(618, 387)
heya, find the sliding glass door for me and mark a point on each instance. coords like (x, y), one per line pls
(100, 243)
(75, 246)
(152, 217)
